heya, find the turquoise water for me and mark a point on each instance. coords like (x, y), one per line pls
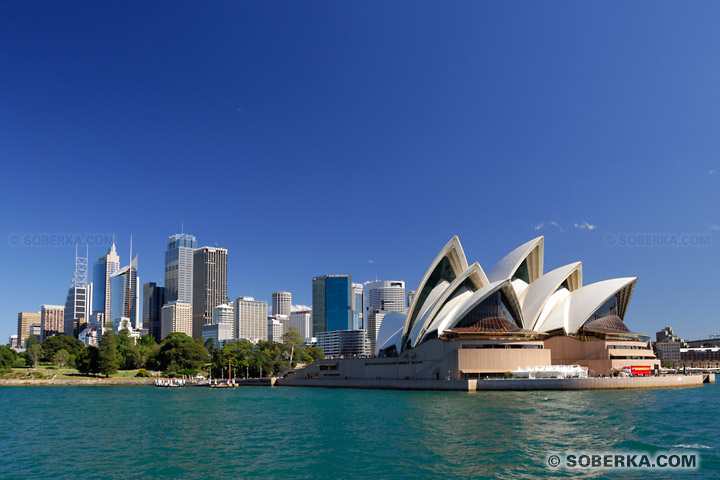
(146, 432)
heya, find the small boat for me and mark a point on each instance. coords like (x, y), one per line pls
(170, 382)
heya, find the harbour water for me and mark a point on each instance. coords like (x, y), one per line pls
(197, 433)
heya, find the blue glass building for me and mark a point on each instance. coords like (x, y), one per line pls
(332, 303)
(179, 268)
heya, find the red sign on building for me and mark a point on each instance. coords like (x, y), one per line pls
(640, 370)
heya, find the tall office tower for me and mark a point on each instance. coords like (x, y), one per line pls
(153, 301)
(410, 296)
(281, 303)
(125, 296)
(382, 297)
(176, 317)
(25, 319)
(250, 319)
(225, 313)
(358, 317)
(332, 303)
(275, 330)
(52, 320)
(103, 269)
(301, 320)
(78, 305)
(209, 285)
(179, 268)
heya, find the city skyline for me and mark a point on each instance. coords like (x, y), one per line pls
(489, 124)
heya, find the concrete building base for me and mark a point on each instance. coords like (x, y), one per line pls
(517, 384)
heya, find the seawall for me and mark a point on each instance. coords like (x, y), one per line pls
(518, 384)
(16, 382)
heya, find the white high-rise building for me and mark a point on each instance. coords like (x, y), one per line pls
(225, 313)
(103, 270)
(176, 317)
(125, 296)
(358, 316)
(382, 297)
(250, 319)
(52, 320)
(275, 330)
(410, 297)
(281, 303)
(302, 321)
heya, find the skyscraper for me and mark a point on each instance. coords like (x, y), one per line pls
(51, 320)
(382, 297)
(179, 268)
(25, 320)
(250, 319)
(332, 303)
(281, 303)
(358, 317)
(153, 301)
(176, 317)
(125, 296)
(301, 320)
(103, 269)
(410, 296)
(275, 330)
(225, 313)
(78, 305)
(209, 285)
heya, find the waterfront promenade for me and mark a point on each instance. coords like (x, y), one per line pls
(517, 384)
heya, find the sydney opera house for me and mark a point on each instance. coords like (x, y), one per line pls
(464, 323)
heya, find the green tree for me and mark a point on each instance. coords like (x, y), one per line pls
(31, 340)
(60, 358)
(52, 345)
(293, 338)
(89, 361)
(667, 364)
(108, 358)
(179, 352)
(33, 354)
(8, 357)
(210, 345)
(237, 354)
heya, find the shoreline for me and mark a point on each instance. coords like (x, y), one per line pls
(669, 381)
(516, 384)
(29, 382)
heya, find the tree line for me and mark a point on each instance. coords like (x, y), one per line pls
(176, 355)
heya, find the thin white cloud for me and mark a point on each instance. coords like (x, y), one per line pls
(371, 261)
(585, 226)
(712, 171)
(715, 227)
(553, 224)
(299, 308)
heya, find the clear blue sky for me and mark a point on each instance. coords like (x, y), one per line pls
(315, 138)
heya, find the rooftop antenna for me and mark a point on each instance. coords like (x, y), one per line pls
(182, 228)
